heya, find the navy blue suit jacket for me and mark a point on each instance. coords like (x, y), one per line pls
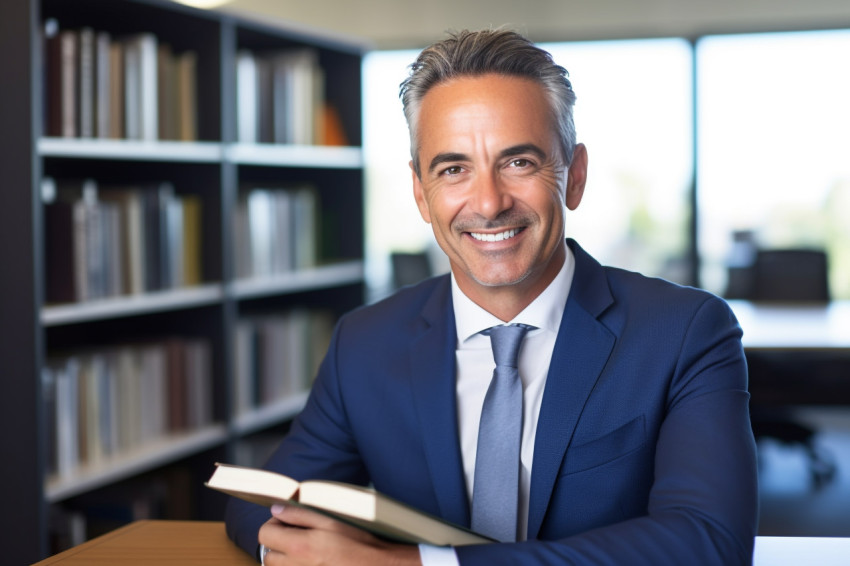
(644, 452)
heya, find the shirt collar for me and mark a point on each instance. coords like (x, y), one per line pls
(544, 312)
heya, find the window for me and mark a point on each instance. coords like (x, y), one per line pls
(634, 113)
(774, 147)
(393, 223)
(773, 133)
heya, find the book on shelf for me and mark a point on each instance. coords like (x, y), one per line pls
(187, 96)
(265, 117)
(280, 97)
(53, 83)
(247, 97)
(60, 252)
(359, 506)
(167, 102)
(129, 236)
(276, 230)
(266, 247)
(140, 87)
(114, 129)
(305, 232)
(102, 403)
(77, 250)
(334, 132)
(120, 87)
(176, 95)
(156, 235)
(277, 355)
(304, 104)
(69, 92)
(191, 225)
(86, 66)
(102, 85)
(106, 241)
(189, 385)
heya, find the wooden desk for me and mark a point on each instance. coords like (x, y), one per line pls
(186, 543)
(161, 543)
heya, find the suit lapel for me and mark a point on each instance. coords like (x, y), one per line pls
(581, 351)
(433, 383)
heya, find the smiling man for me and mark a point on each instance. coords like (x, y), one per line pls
(616, 429)
(495, 186)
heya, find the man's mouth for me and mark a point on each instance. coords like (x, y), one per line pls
(497, 237)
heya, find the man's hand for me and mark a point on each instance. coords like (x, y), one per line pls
(297, 536)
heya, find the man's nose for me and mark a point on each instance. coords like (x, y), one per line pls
(490, 196)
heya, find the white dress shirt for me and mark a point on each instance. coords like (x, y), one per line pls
(475, 364)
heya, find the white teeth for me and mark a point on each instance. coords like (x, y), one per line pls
(494, 237)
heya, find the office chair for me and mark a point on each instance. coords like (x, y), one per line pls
(794, 276)
(409, 268)
(790, 276)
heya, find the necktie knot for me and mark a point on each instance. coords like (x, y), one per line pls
(505, 340)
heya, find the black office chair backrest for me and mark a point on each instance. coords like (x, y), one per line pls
(791, 275)
(409, 268)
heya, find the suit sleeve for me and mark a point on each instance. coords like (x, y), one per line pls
(703, 504)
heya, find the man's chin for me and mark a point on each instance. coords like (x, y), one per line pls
(501, 279)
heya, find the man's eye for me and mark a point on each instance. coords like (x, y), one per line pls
(520, 163)
(454, 170)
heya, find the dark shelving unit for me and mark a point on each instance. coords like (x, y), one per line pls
(213, 168)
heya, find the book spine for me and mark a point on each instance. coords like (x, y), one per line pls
(117, 96)
(191, 224)
(135, 238)
(187, 96)
(68, 40)
(165, 250)
(60, 251)
(132, 90)
(103, 84)
(54, 77)
(247, 97)
(261, 228)
(148, 103)
(265, 117)
(49, 401)
(86, 96)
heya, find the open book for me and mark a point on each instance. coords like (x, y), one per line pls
(359, 506)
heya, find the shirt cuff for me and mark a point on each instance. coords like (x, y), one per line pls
(437, 555)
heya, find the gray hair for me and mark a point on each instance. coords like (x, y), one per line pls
(503, 52)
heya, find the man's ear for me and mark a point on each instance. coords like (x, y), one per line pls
(419, 195)
(576, 177)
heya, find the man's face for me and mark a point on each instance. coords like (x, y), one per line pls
(493, 183)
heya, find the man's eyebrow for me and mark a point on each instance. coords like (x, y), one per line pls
(445, 158)
(521, 149)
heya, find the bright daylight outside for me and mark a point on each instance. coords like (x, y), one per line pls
(772, 152)
(774, 147)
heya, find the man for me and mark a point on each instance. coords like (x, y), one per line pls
(634, 445)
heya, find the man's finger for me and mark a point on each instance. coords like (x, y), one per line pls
(300, 517)
(305, 518)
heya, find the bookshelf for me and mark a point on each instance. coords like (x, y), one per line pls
(98, 177)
